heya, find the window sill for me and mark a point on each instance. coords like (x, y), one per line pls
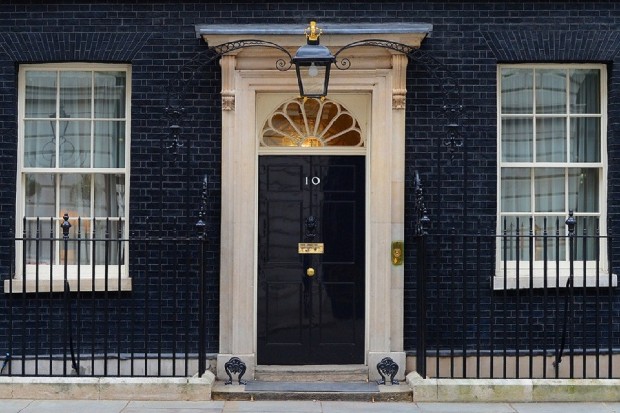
(509, 282)
(17, 286)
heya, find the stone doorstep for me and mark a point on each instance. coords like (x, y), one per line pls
(339, 373)
(386, 393)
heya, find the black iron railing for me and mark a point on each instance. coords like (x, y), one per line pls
(526, 302)
(532, 301)
(103, 303)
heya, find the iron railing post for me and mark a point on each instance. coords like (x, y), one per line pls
(66, 226)
(568, 307)
(610, 312)
(201, 229)
(422, 225)
(421, 299)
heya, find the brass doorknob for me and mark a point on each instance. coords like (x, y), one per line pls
(310, 272)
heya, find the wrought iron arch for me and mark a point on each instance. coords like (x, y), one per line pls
(452, 107)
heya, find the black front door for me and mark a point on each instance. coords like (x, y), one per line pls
(311, 275)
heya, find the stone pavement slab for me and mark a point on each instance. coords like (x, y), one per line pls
(367, 407)
(466, 408)
(546, 407)
(125, 406)
(613, 407)
(73, 406)
(173, 407)
(13, 406)
(273, 406)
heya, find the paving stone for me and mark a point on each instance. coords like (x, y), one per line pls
(363, 407)
(273, 406)
(466, 408)
(543, 407)
(75, 406)
(174, 406)
(13, 406)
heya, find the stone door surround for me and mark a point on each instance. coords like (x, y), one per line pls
(375, 72)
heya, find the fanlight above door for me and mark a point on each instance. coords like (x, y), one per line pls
(311, 123)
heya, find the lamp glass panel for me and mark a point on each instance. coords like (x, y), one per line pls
(313, 80)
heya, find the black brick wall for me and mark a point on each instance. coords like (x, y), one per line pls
(157, 38)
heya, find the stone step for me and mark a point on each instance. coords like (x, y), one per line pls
(326, 391)
(330, 373)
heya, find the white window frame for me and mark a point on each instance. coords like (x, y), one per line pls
(533, 273)
(115, 276)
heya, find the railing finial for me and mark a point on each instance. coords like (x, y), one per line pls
(570, 223)
(66, 225)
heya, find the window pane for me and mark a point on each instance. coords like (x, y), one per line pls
(77, 250)
(585, 96)
(40, 195)
(554, 244)
(75, 195)
(517, 95)
(109, 144)
(550, 91)
(515, 242)
(110, 94)
(551, 140)
(517, 140)
(516, 190)
(549, 188)
(39, 144)
(586, 244)
(40, 251)
(74, 144)
(585, 140)
(583, 190)
(40, 94)
(108, 242)
(75, 94)
(311, 123)
(81, 226)
(109, 195)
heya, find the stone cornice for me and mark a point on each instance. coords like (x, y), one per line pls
(333, 35)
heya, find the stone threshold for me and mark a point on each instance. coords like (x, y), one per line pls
(341, 391)
(312, 373)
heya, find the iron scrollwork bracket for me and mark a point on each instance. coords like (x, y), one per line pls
(452, 107)
(422, 219)
(236, 366)
(387, 367)
(201, 225)
(453, 113)
(344, 63)
(175, 116)
(178, 88)
(452, 101)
